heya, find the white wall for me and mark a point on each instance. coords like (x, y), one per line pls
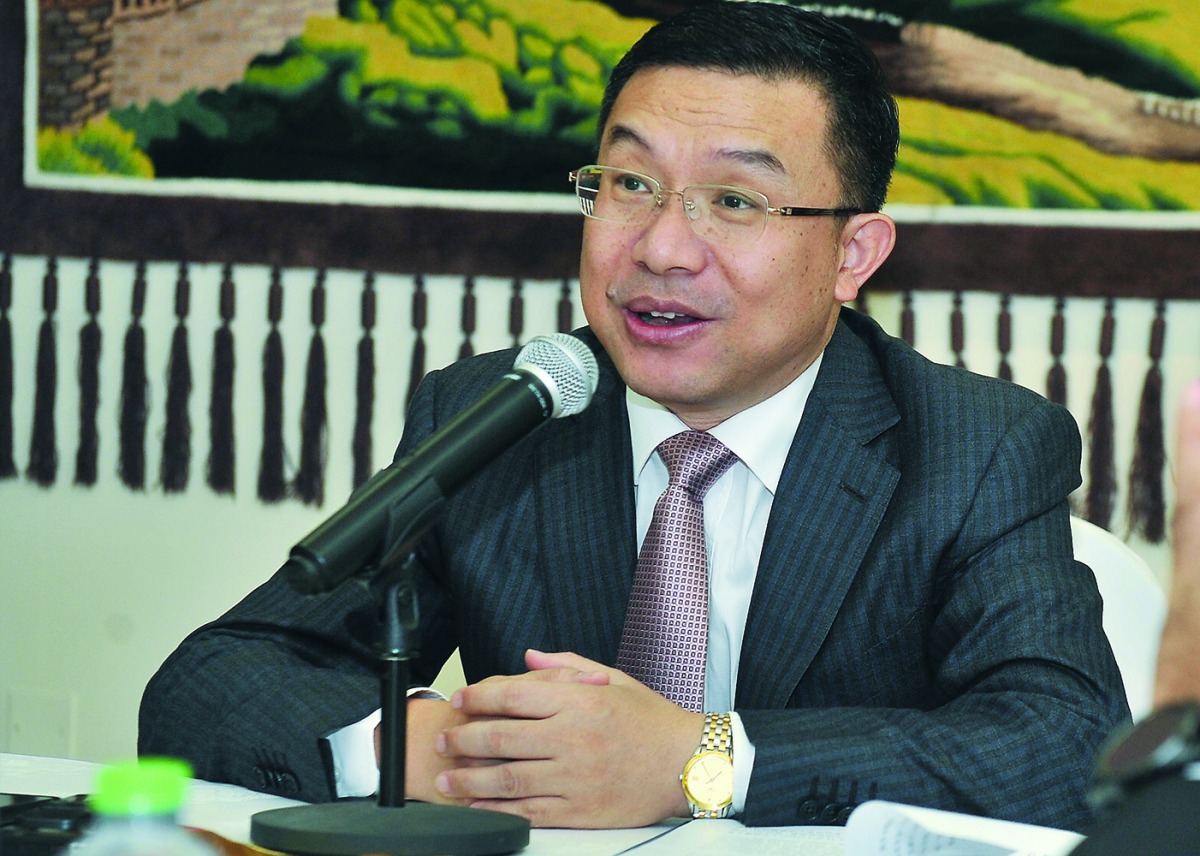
(97, 585)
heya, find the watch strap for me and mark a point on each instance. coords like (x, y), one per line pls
(716, 737)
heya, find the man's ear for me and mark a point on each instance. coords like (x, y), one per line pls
(867, 240)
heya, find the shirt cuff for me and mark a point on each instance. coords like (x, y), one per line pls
(352, 751)
(743, 763)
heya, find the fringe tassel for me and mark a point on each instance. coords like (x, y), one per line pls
(467, 318)
(221, 453)
(1056, 381)
(43, 450)
(364, 401)
(1147, 506)
(175, 465)
(310, 478)
(516, 312)
(89, 381)
(908, 320)
(1102, 480)
(8, 464)
(420, 308)
(1004, 338)
(956, 331)
(566, 312)
(272, 487)
(131, 462)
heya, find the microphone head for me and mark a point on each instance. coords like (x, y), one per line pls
(566, 366)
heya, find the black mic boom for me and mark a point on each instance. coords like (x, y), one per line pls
(552, 376)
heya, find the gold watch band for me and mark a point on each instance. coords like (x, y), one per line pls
(718, 733)
(716, 740)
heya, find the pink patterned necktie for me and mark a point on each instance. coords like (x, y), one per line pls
(665, 641)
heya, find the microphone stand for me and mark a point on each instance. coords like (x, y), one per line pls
(390, 825)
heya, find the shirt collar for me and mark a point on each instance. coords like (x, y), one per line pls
(761, 436)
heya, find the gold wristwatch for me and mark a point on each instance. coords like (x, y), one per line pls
(707, 777)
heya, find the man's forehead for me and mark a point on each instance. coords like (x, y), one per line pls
(661, 106)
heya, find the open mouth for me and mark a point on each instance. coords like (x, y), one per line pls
(666, 319)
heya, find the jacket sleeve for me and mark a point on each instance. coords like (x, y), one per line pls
(248, 698)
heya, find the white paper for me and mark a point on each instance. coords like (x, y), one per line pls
(730, 838)
(880, 828)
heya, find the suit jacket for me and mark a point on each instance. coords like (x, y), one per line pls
(918, 629)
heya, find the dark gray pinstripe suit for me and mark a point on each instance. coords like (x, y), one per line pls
(918, 630)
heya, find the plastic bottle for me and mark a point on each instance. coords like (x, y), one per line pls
(136, 806)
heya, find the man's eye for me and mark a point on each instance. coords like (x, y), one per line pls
(632, 184)
(736, 201)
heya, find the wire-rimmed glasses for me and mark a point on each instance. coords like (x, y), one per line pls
(715, 211)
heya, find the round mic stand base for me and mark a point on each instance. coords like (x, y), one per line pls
(415, 829)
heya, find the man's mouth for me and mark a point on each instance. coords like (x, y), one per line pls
(666, 319)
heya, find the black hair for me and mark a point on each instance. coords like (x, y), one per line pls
(775, 41)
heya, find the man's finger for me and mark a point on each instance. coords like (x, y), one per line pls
(492, 740)
(512, 781)
(535, 695)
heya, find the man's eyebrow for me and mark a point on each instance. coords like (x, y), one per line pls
(759, 159)
(624, 134)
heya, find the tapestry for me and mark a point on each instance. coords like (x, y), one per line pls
(1044, 112)
(1089, 105)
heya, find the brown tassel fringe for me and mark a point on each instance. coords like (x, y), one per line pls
(131, 462)
(1147, 506)
(467, 318)
(89, 381)
(420, 308)
(957, 331)
(310, 478)
(566, 312)
(516, 312)
(8, 464)
(1004, 338)
(1102, 479)
(272, 486)
(221, 451)
(1056, 381)
(175, 466)
(43, 449)
(364, 390)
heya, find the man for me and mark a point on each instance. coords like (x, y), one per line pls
(894, 610)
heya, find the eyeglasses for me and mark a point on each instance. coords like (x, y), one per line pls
(715, 211)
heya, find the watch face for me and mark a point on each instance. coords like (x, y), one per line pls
(708, 780)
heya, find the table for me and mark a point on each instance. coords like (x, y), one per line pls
(226, 810)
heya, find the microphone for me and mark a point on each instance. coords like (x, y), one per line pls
(552, 376)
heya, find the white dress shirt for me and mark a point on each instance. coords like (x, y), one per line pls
(736, 510)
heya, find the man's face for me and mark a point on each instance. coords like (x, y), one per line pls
(748, 317)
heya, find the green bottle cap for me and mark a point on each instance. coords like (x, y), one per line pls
(146, 786)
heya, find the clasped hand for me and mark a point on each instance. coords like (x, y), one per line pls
(570, 743)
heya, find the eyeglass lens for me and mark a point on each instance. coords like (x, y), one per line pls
(714, 211)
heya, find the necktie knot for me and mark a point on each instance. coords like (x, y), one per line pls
(695, 461)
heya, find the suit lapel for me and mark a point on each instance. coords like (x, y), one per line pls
(586, 523)
(832, 495)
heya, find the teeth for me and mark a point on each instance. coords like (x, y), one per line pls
(670, 316)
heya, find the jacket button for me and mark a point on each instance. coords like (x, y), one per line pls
(829, 813)
(808, 810)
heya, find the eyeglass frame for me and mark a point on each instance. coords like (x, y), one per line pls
(661, 192)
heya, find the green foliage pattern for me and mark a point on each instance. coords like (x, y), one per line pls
(502, 94)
